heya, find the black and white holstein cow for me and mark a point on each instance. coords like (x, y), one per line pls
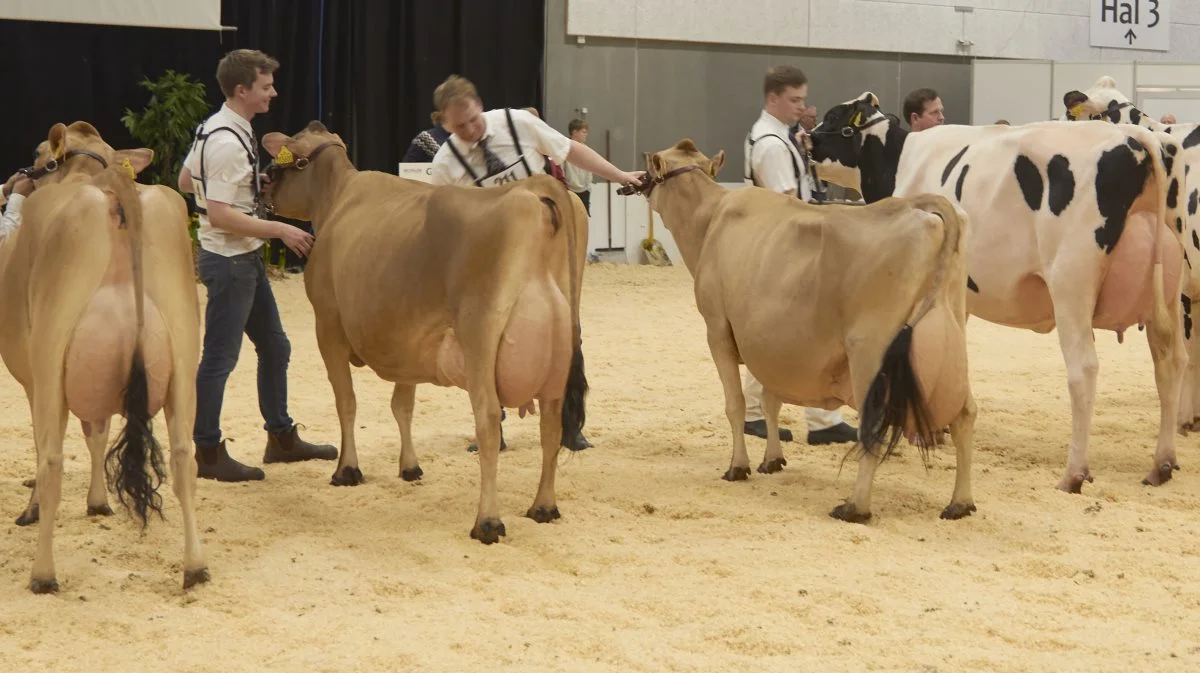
(1071, 227)
(1104, 102)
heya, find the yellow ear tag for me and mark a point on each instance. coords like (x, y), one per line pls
(1077, 111)
(284, 157)
(856, 120)
(129, 168)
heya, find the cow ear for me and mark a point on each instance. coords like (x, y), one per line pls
(715, 163)
(315, 126)
(1073, 98)
(134, 161)
(58, 141)
(655, 165)
(273, 142)
(1105, 82)
(687, 145)
(83, 128)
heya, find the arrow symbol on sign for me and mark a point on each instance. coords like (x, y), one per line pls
(1130, 35)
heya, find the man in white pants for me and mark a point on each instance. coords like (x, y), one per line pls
(774, 162)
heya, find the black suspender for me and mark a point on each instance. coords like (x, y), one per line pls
(202, 138)
(795, 164)
(512, 129)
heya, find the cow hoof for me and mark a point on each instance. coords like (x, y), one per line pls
(488, 532)
(28, 517)
(49, 586)
(193, 577)
(1160, 475)
(957, 510)
(772, 466)
(543, 514)
(100, 510)
(29, 483)
(412, 473)
(347, 476)
(1073, 483)
(850, 514)
(737, 474)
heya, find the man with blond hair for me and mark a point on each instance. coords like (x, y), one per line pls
(222, 171)
(500, 146)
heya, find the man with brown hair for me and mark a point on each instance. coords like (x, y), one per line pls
(222, 170)
(923, 110)
(774, 161)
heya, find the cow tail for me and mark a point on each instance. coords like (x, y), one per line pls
(574, 410)
(134, 464)
(895, 392)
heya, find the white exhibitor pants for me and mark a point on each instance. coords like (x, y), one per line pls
(818, 419)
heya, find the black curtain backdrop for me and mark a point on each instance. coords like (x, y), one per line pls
(365, 68)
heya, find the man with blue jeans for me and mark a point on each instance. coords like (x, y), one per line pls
(227, 185)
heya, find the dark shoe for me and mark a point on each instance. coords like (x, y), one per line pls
(838, 434)
(759, 429)
(214, 462)
(577, 443)
(287, 447)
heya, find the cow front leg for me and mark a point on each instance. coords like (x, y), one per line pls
(49, 427)
(404, 398)
(30, 515)
(773, 460)
(1079, 352)
(720, 344)
(180, 412)
(1168, 352)
(96, 435)
(488, 527)
(962, 432)
(857, 508)
(545, 507)
(336, 355)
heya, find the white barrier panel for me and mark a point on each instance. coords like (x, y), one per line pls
(190, 14)
(419, 171)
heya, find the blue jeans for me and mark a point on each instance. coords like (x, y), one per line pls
(240, 301)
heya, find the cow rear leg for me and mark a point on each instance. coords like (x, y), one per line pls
(336, 355)
(1189, 390)
(403, 400)
(96, 435)
(773, 460)
(1079, 352)
(720, 344)
(1168, 352)
(857, 508)
(180, 412)
(962, 432)
(49, 427)
(545, 507)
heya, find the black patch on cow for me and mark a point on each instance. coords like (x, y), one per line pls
(1193, 201)
(1195, 240)
(1135, 144)
(1168, 162)
(1171, 149)
(953, 162)
(1135, 115)
(1030, 180)
(1192, 138)
(1120, 178)
(1114, 112)
(971, 285)
(1179, 224)
(1187, 316)
(1173, 194)
(1062, 183)
(959, 185)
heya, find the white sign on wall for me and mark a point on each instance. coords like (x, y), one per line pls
(1131, 24)
(420, 171)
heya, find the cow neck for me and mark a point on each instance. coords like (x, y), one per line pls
(686, 205)
(330, 175)
(879, 163)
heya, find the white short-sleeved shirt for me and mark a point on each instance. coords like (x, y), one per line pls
(10, 221)
(771, 159)
(537, 139)
(228, 177)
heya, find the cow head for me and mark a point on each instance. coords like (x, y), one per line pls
(683, 157)
(849, 142)
(78, 149)
(1103, 101)
(297, 181)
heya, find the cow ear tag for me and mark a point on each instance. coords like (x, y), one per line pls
(856, 120)
(284, 157)
(125, 164)
(1077, 111)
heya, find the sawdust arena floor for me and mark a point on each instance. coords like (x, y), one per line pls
(657, 564)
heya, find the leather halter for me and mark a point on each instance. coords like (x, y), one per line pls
(301, 162)
(54, 164)
(647, 185)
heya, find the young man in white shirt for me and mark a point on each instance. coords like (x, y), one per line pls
(16, 188)
(774, 161)
(578, 179)
(222, 170)
(501, 146)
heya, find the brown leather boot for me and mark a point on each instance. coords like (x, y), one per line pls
(214, 462)
(287, 447)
